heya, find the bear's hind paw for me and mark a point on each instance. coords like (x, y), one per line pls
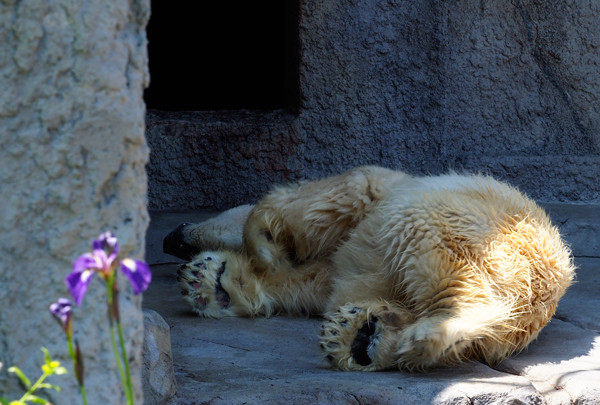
(346, 336)
(362, 337)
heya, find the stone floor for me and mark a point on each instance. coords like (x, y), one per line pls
(277, 360)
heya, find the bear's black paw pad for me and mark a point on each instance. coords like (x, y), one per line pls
(362, 341)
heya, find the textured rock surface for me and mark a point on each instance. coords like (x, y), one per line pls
(198, 157)
(277, 360)
(158, 379)
(73, 153)
(507, 88)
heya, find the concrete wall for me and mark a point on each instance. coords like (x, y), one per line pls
(73, 153)
(507, 88)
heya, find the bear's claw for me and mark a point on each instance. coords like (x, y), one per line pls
(200, 283)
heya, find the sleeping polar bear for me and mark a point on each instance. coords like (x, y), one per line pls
(408, 272)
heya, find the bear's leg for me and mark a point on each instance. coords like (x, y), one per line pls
(219, 284)
(379, 335)
(307, 221)
(435, 315)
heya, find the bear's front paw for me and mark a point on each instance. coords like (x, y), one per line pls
(200, 282)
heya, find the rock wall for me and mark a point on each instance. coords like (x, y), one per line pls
(73, 158)
(220, 159)
(506, 88)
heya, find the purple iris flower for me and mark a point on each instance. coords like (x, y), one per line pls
(101, 260)
(106, 248)
(104, 252)
(138, 273)
(78, 282)
(62, 310)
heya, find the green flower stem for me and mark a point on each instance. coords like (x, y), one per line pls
(125, 360)
(75, 369)
(83, 396)
(124, 379)
(71, 350)
(114, 316)
(34, 387)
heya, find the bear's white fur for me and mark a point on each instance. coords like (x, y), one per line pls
(409, 272)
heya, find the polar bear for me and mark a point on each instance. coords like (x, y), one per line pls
(408, 272)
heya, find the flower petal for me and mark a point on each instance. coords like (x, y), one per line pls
(138, 273)
(77, 283)
(62, 310)
(106, 247)
(86, 261)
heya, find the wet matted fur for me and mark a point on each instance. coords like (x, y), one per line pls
(408, 272)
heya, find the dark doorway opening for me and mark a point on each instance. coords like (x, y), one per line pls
(223, 55)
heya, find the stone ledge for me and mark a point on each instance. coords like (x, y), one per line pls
(277, 360)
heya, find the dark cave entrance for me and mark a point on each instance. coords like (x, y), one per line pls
(207, 56)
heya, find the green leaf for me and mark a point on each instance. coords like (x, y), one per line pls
(49, 386)
(47, 357)
(36, 400)
(21, 376)
(3, 401)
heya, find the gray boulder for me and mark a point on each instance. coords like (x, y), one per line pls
(158, 377)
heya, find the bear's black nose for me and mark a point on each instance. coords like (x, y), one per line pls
(174, 243)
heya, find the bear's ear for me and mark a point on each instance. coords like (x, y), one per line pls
(268, 236)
